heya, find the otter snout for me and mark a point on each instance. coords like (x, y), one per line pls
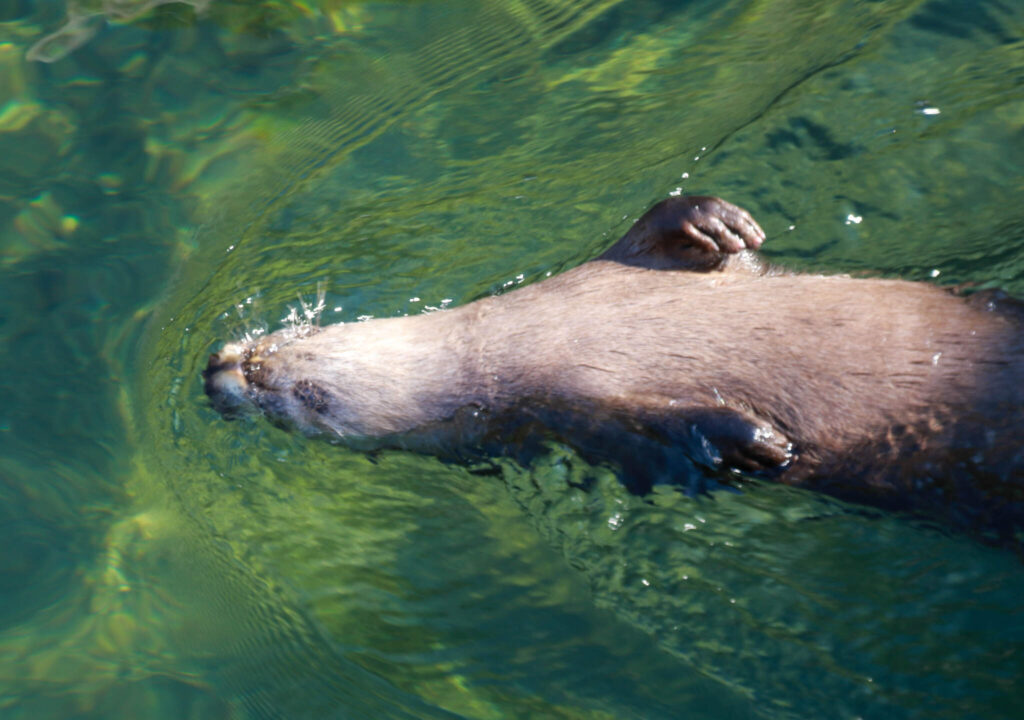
(224, 381)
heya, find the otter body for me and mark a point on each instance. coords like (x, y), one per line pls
(679, 341)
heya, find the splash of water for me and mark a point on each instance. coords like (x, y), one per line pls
(304, 319)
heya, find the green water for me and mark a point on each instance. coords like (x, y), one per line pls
(175, 174)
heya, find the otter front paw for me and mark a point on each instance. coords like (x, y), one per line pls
(739, 440)
(707, 223)
(694, 232)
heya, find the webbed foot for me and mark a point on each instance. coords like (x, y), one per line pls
(738, 440)
(688, 232)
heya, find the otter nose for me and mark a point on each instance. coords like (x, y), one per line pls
(224, 381)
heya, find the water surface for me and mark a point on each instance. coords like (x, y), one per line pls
(174, 174)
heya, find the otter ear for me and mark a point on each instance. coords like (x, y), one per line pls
(690, 233)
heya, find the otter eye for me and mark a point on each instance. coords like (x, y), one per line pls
(312, 396)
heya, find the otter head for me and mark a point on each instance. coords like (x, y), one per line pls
(225, 382)
(356, 381)
(254, 375)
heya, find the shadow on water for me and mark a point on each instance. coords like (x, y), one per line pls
(179, 177)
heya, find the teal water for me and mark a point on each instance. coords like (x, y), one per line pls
(174, 174)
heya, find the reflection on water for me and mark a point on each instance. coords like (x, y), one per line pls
(173, 177)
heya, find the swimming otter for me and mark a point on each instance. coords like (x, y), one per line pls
(679, 345)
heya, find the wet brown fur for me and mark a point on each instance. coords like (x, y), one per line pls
(877, 389)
